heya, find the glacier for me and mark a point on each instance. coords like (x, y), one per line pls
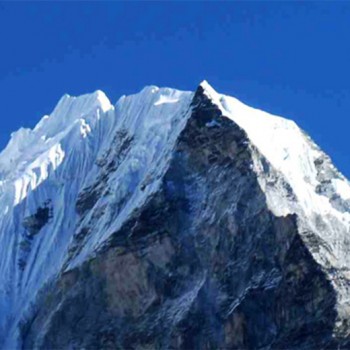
(155, 183)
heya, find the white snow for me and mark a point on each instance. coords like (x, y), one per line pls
(103, 100)
(165, 99)
(342, 187)
(84, 128)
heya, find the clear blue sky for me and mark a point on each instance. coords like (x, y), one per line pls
(289, 58)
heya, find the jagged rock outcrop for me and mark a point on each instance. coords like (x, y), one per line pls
(180, 227)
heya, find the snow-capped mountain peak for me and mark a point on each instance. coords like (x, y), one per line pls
(146, 199)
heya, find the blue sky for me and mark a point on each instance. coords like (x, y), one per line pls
(288, 58)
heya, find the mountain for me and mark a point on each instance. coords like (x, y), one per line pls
(172, 220)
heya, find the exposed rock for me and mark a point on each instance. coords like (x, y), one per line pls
(34, 223)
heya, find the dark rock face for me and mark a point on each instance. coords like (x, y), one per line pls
(326, 173)
(203, 265)
(34, 223)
